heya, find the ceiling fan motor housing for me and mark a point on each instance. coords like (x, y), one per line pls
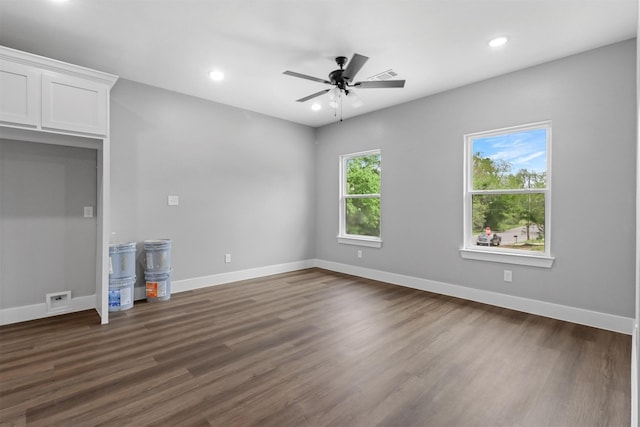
(336, 77)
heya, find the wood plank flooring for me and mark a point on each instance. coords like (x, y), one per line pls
(312, 348)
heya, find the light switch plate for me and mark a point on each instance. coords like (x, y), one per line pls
(88, 211)
(173, 200)
(508, 276)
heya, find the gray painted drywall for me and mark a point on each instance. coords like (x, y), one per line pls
(635, 364)
(47, 245)
(245, 181)
(590, 99)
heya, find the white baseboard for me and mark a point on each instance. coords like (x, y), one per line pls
(139, 293)
(634, 376)
(235, 276)
(596, 319)
(232, 276)
(606, 321)
(39, 311)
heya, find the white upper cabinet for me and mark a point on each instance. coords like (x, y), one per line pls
(19, 94)
(70, 103)
(45, 94)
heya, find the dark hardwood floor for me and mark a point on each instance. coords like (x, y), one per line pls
(312, 348)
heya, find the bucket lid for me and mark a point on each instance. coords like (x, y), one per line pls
(157, 274)
(122, 247)
(122, 281)
(157, 242)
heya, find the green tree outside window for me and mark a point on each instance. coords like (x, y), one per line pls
(362, 195)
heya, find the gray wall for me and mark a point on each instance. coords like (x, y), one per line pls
(265, 190)
(591, 100)
(246, 181)
(46, 245)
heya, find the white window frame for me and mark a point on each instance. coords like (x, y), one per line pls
(469, 249)
(354, 239)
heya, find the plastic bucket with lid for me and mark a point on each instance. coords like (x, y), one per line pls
(121, 293)
(122, 260)
(158, 255)
(158, 286)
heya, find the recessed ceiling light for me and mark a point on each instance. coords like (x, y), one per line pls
(216, 75)
(316, 107)
(498, 41)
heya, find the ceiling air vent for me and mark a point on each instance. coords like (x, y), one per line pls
(385, 75)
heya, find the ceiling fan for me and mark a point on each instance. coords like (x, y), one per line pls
(342, 79)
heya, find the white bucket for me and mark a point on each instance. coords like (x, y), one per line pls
(158, 286)
(158, 255)
(122, 260)
(121, 293)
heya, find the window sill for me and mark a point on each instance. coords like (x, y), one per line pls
(508, 258)
(370, 242)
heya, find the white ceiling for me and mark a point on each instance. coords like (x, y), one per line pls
(434, 44)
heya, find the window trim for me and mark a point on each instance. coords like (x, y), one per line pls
(495, 254)
(343, 237)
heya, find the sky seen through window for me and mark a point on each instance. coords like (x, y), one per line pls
(522, 150)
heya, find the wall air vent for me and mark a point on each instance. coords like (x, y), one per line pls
(59, 301)
(385, 75)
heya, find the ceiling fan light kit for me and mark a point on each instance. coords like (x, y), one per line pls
(342, 81)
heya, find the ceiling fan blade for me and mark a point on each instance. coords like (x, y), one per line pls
(306, 98)
(379, 84)
(354, 66)
(304, 76)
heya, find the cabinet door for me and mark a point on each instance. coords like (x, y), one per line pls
(19, 94)
(73, 104)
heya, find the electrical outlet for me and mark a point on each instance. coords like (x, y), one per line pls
(88, 211)
(359, 253)
(173, 200)
(227, 258)
(508, 276)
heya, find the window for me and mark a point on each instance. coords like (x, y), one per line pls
(508, 194)
(360, 199)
